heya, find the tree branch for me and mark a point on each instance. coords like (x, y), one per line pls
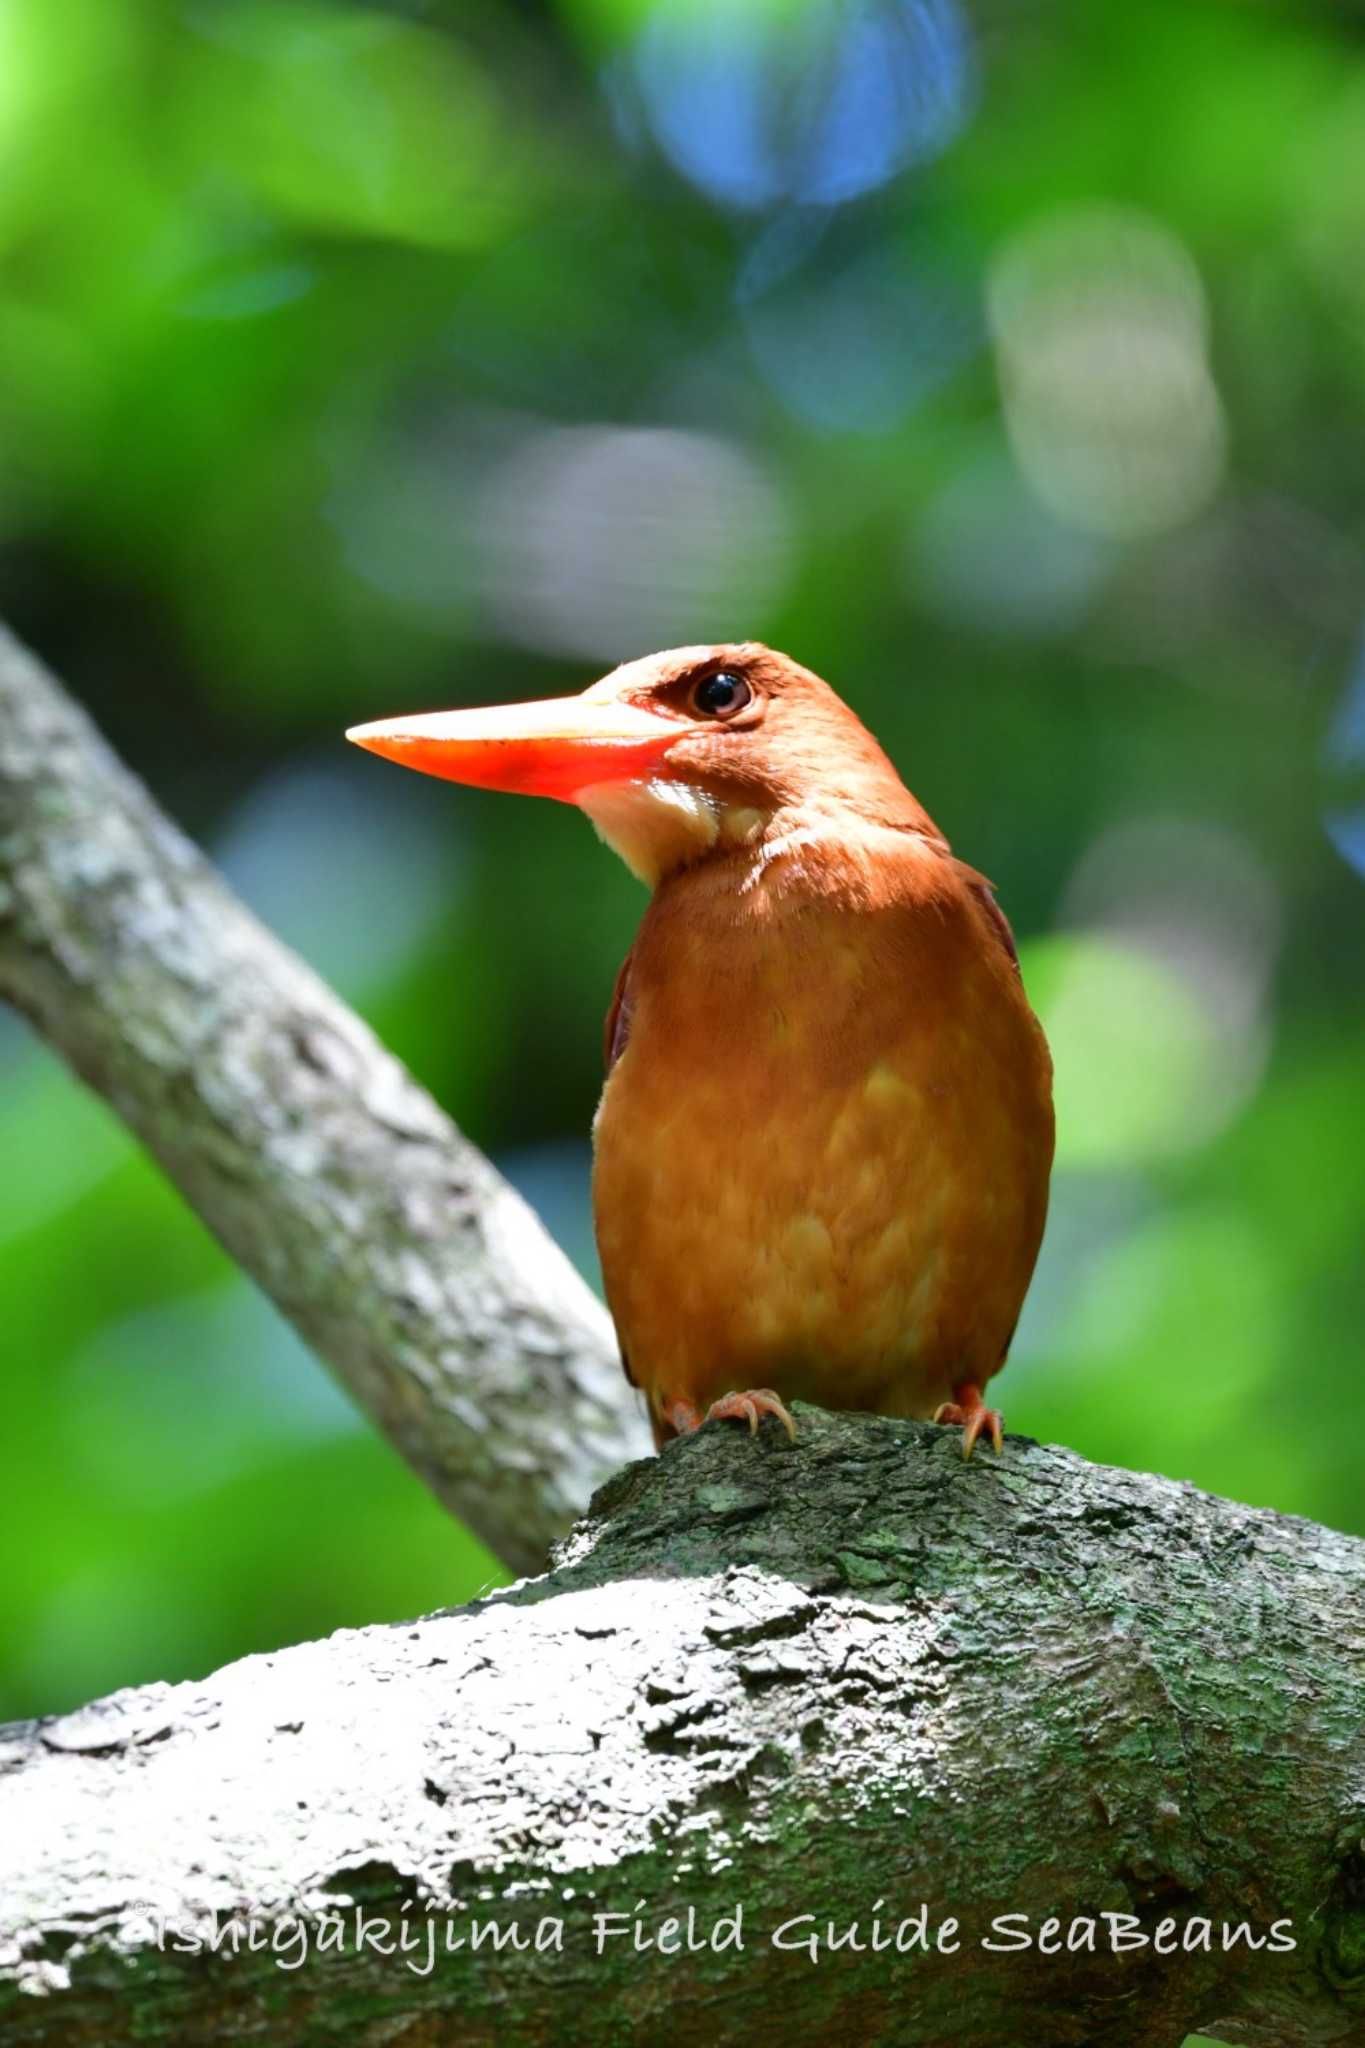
(331, 1177)
(802, 1680)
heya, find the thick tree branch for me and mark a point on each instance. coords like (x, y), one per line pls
(331, 1177)
(801, 1680)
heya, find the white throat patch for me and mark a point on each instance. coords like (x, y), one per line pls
(658, 824)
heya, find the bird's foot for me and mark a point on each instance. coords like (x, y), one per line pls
(968, 1408)
(749, 1406)
(679, 1418)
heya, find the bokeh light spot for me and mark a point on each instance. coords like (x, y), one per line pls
(821, 102)
(1155, 1001)
(1100, 331)
(856, 351)
(1344, 821)
(342, 865)
(608, 541)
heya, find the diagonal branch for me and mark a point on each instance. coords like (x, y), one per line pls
(331, 1177)
(845, 1681)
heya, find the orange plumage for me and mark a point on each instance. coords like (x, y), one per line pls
(823, 1147)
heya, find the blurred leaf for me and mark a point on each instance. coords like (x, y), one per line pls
(356, 121)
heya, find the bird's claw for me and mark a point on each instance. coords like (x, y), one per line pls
(748, 1407)
(976, 1419)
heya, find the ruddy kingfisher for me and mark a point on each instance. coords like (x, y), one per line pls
(822, 1151)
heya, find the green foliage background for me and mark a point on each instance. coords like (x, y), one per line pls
(365, 358)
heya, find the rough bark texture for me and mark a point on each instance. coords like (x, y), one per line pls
(333, 1179)
(798, 1679)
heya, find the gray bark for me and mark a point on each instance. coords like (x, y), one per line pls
(801, 1680)
(331, 1177)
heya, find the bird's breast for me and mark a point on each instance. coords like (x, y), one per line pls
(821, 1161)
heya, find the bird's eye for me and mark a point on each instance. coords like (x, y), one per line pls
(722, 695)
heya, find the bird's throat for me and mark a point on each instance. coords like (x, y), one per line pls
(660, 824)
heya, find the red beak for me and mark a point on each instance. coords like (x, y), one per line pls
(557, 747)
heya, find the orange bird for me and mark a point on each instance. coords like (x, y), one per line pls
(823, 1146)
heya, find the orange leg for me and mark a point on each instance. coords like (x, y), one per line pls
(680, 1418)
(968, 1408)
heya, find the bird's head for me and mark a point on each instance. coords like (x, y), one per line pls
(674, 757)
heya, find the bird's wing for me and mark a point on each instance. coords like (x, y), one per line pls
(615, 1033)
(984, 892)
(617, 1028)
